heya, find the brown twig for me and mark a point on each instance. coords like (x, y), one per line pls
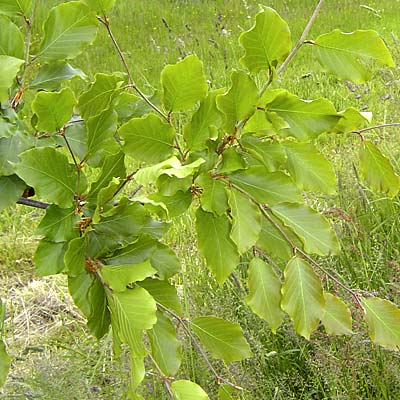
(381, 126)
(164, 378)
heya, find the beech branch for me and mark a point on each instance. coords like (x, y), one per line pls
(33, 203)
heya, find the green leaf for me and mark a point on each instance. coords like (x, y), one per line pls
(240, 101)
(68, 30)
(165, 346)
(266, 187)
(383, 319)
(99, 96)
(265, 293)
(225, 392)
(11, 188)
(9, 67)
(148, 139)
(51, 75)
(16, 7)
(135, 309)
(11, 39)
(187, 390)
(5, 361)
(350, 55)
(306, 119)
(246, 221)
(53, 109)
(101, 141)
(271, 153)
(49, 257)
(267, 43)
(49, 172)
(100, 6)
(163, 293)
(232, 161)
(59, 224)
(177, 204)
(165, 261)
(184, 84)
(337, 317)
(302, 296)
(312, 228)
(351, 120)
(309, 168)
(223, 339)
(99, 319)
(204, 123)
(10, 149)
(215, 244)
(118, 277)
(79, 287)
(75, 256)
(138, 373)
(378, 170)
(213, 196)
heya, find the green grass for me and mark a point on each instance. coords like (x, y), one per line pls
(53, 358)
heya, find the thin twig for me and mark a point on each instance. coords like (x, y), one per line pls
(124, 183)
(296, 48)
(29, 24)
(33, 203)
(370, 128)
(164, 378)
(190, 335)
(106, 22)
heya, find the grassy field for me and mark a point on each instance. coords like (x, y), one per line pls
(54, 359)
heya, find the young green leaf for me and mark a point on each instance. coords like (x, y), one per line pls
(118, 277)
(223, 339)
(383, 319)
(305, 119)
(69, 28)
(99, 319)
(75, 256)
(11, 188)
(302, 296)
(337, 317)
(53, 109)
(5, 363)
(79, 287)
(16, 7)
(100, 6)
(240, 101)
(9, 67)
(184, 84)
(51, 75)
(215, 244)
(265, 293)
(266, 187)
(309, 168)
(49, 257)
(11, 39)
(246, 221)
(148, 139)
(59, 224)
(351, 120)
(378, 170)
(204, 123)
(99, 96)
(213, 196)
(267, 43)
(349, 55)
(232, 161)
(49, 172)
(165, 261)
(187, 390)
(166, 348)
(312, 228)
(137, 372)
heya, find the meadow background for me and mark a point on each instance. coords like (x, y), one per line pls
(53, 357)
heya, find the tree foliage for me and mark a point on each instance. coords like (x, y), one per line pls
(239, 166)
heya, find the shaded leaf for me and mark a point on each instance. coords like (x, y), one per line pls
(9, 67)
(99, 318)
(79, 287)
(265, 293)
(16, 7)
(215, 244)
(213, 196)
(165, 261)
(11, 39)
(10, 149)
(49, 257)
(75, 256)
(223, 339)
(302, 296)
(11, 188)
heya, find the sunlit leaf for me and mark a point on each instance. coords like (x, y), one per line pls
(213, 196)
(337, 317)
(11, 39)
(265, 293)
(223, 339)
(101, 6)
(302, 296)
(349, 55)
(5, 363)
(187, 390)
(16, 7)
(9, 67)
